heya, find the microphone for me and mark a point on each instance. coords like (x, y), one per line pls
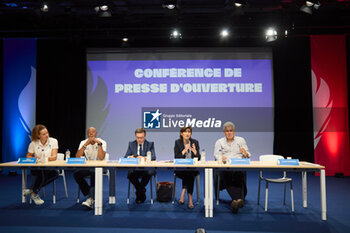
(188, 142)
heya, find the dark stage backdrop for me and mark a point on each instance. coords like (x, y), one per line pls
(61, 91)
(293, 98)
(1, 92)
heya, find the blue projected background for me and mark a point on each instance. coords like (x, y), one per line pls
(19, 89)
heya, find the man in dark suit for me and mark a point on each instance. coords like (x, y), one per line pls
(139, 149)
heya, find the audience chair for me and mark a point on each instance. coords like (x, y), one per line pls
(60, 157)
(197, 179)
(105, 173)
(154, 175)
(282, 180)
(217, 186)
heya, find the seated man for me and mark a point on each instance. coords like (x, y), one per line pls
(137, 149)
(228, 147)
(91, 148)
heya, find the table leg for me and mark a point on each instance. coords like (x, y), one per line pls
(304, 181)
(24, 183)
(208, 199)
(112, 184)
(210, 186)
(206, 193)
(98, 190)
(323, 194)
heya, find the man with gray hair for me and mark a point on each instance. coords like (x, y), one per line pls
(234, 182)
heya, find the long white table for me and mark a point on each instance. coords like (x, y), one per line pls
(208, 167)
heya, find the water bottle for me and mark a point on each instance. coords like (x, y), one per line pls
(67, 154)
(43, 158)
(149, 157)
(203, 156)
(219, 157)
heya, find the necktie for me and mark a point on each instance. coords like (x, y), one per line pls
(140, 149)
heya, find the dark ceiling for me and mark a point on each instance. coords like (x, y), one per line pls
(148, 19)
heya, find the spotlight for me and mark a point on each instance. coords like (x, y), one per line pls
(271, 34)
(103, 11)
(240, 3)
(125, 39)
(285, 33)
(175, 34)
(309, 6)
(224, 33)
(44, 7)
(169, 4)
(104, 7)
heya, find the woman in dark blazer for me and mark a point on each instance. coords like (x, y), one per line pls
(186, 147)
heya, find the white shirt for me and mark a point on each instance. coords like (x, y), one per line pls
(91, 151)
(35, 147)
(222, 147)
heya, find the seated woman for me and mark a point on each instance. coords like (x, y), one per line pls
(41, 147)
(186, 147)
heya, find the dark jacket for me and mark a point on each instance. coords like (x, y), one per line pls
(147, 146)
(179, 146)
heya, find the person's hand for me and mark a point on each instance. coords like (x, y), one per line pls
(89, 141)
(244, 152)
(224, 158)
(187, 147)
(194, 149)
(96, 141)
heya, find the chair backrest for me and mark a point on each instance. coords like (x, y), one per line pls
(270, 158)
(60, 157)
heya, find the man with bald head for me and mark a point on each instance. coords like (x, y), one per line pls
(92, 148)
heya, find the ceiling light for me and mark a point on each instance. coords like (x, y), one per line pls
(271, 34)
(309, 6)
(175, 34)
(103, 11)
(224, 33)
(44, 8)
(240, 3)
(169, 4)
(104, 7)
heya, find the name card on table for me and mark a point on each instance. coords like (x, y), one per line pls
(237, 161)
(113, 161)
(129, 161)
(288, 162)
(75, 161)
(27, 160)
(183, 162)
